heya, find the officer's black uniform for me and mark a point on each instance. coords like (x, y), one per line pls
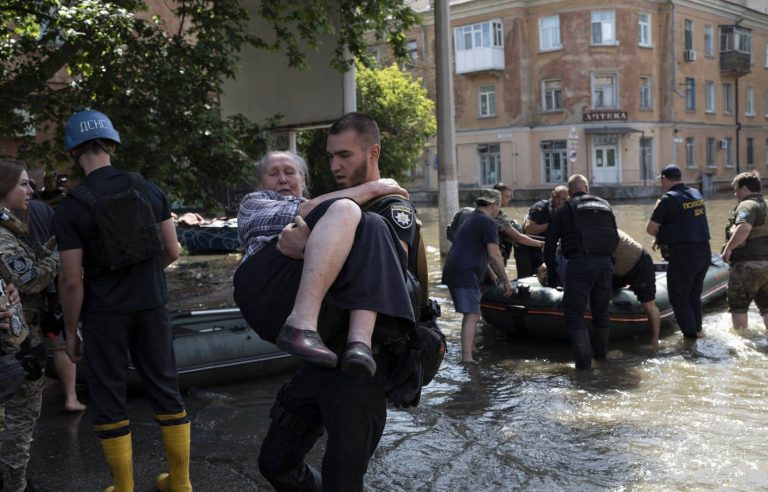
(352, 409)
(527, 258)
(587, 227)
(684, 237)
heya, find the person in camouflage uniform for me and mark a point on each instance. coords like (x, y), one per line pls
(31, 271)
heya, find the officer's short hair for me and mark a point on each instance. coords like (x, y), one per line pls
(296, 159)
(750, 179)
(10, 172)
(362, 124)
(501, 188)
(576, 183)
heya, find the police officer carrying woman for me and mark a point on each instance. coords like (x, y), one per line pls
(586, 229)
(31, 271)
(679, 224)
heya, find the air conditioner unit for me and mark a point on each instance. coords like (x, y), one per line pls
(723, 144)
(690, 55)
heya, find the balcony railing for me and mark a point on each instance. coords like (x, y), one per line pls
(479, 59)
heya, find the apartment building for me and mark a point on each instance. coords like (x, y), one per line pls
(610, 89)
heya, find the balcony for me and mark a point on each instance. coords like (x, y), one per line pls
(479, 59)
(735, 63)
(735, 50)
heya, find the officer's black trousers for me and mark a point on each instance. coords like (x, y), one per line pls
(352, 409)
(688, 265)
(527, 260)
(107, 341)
(588, 280)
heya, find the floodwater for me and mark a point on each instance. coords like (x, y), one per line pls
(676, 418)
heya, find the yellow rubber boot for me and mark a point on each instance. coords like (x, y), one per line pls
(119, 455)
(176, 440)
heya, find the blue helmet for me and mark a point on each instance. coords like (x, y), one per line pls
(88, 125)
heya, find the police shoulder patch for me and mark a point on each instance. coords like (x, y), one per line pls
(402, 216)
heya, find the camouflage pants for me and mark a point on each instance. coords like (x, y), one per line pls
(17, 419)
(748, 281)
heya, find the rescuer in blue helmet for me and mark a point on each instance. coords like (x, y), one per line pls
(116, 227)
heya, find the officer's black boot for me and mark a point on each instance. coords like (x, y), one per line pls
(302, 479)
(601, 343)
(582, 351)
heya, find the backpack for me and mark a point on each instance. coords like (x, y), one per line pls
(426, 345)
(128, 231)
(458, 219)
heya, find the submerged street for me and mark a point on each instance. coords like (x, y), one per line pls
(674, 419)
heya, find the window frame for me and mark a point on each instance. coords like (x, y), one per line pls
(608, 22)
(469, 32)
(749, 101)
(412, 46)
(727, 98)
(711, 149)
(556, 99)
(556, 30)
(709, 96)
(549, 152)
(485, 152)
(728, 153)
(646, 93)
(688, 43)
(690, 153)
(690, 94)
(648, 34)
(615, 86)
(709, 40)
(490, 95)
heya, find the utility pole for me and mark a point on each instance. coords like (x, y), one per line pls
(448, 186)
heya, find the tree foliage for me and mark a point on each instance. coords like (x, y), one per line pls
(161, 85)
(406, 118)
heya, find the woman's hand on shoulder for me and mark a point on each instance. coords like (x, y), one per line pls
(387, 186)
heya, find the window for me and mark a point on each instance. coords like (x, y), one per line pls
(690, 156)
(709, 47)
(765, 102)
(490, 163)
(487, 100)
(644, 30)
(711, 152)
(749, 102)
(550, 93)
(485, 35)
(604, 91)
(734, 38)
(554, 165)
(549, 33)
(690, 94)
(751, 152)
(375, 53)
(688, 34)
(413, 52)
(603, 27)
(728, 153)
(709, 92)
(766, 151)
(645, 93)
(727, 98)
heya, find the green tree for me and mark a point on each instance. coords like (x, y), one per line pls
(161, 87)
(406, 118)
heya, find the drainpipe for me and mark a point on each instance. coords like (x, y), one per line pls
(738, 127)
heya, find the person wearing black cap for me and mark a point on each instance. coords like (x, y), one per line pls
(586, 229)
(679, 224)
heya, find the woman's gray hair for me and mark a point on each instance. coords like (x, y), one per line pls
(295, 158)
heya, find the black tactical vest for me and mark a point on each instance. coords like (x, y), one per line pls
(594, 230)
